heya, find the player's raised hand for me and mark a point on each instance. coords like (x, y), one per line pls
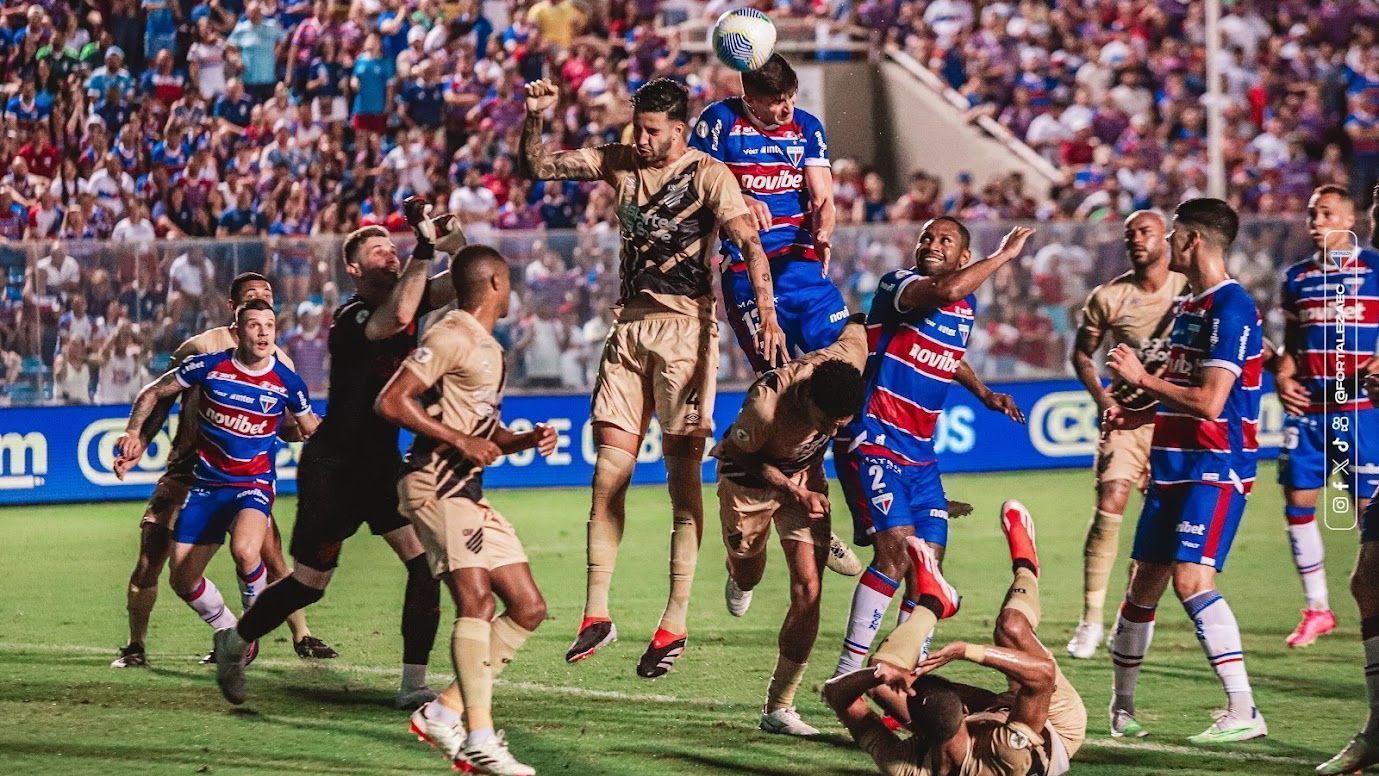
(131, 449)
(477, 449)
(417, 211)
(542, 96)
(761, 213)
(771, 340)
(895, 677)
(1013, 243)
(546, 437)
(1123, 361)
(1295, 398)
(1005, 404)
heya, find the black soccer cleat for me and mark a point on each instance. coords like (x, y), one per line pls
(131, 656)
(314, 648)
(657, 660)
(593, 636)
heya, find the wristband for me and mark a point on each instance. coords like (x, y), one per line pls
(973, 653)
(424, 251)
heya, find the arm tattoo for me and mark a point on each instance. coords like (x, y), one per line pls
(547, 166)
(743, 234)
(164, 387)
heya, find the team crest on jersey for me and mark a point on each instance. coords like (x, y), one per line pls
(883, 502)
(796, 154)
(362, 316)
(268, 403)
(422, 355)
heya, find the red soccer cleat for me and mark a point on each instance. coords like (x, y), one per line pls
(1315, 624)
(1018, 527)
(931, 581)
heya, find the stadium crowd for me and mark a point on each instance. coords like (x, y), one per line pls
(138, 128)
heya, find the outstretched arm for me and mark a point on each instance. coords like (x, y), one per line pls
(541, 163)
(416, 284)
(131, 443)
(1003, 403)
(934, 292)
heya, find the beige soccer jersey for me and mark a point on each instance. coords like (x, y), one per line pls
(461, 365)
(775, 416)
(669, 219)
(1144, 321)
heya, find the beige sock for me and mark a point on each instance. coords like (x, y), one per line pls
(296, 622)
(902, 647)
(687, 511)
(469, 648)
(505, 638)
(452, 698)
(1023, 595)
(1098, 556)
(780, 694)
(139, 601)
(607, 515)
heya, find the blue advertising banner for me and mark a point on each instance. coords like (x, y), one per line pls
(65, 454)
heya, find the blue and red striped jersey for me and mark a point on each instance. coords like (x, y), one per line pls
(238, 413)
(769, 165)
(1219, 327)
(912, 357)
(1313, 292)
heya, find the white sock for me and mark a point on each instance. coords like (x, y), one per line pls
(207, 602)
(441, 713)
(1129, 643)
(870, 601)
(1220, 637)
(478, 736)
(1308, 553)
(251, 584)
(1371, 675)
(413, 676)
(907, 608)
(924, 650)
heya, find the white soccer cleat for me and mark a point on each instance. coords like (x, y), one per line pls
(1226, 729)
(448, 738)
(737, 599)
(1083, 645)
(841, 559)
(410, 700)
(787, 722)
(491, 757)
(230, 651)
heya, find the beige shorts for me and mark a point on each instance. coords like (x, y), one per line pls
(747, 514)
(667, 362)
(1067, 714)
(459, 533)
(1124, 455)
(168, 497)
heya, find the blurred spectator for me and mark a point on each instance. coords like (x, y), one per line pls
(72, 376)
(307, 347)
(121, 369)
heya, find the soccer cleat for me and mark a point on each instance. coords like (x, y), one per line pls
(1315, 624)
(1018, 527)
(314, 648)
(491, 757)
(1123, 725)
(931, 581)
(232, 654)
(1225, 730)
(787, 722)
(408, 700)
(1358, 754)
(594, 634)
(738, 600)
(208, 659)
(841, 559)
(665, 648)
(1085, 640)
(131, 656)
(448, 738)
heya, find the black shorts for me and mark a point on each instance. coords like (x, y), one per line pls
(334, 497)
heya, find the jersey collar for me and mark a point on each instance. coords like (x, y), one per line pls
(272, 362)
(1213, 289)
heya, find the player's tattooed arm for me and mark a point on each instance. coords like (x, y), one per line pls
(163, 409)
(1003, 403)
(742, 233)
(543, 437)
(399, 310)
(399, 403)
(1085, 345)
(131, 443)
(540, 162)
(933, 292)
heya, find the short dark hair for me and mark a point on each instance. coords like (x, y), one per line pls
(1336, 190)
(662, 96)
(249, 306)
(836, 388)
(356, 239)
(962, 230)
(1212, 217)
(773, 79)
(470, 269)
(936, 709)
(241, 280)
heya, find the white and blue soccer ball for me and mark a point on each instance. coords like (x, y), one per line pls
(743, 39)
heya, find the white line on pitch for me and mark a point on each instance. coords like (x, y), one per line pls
(1192, 751)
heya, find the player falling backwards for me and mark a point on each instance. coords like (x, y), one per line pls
(779, 155)
(1362, 751)
(1202, 466)
(1035, 727)
(243, 396)
(771, 471)
(155, 529)
(449, 392)
(1309, 373)
(917, 329)
(1136, 309)
(662, 351)
(348, 471)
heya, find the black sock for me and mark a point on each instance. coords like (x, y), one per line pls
(932, 604)
(1024, 563)
(273, 606)
(421, 612)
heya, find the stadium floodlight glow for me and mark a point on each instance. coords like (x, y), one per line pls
(1340, 410)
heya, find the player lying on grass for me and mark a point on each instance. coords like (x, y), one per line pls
(1035, 727)
(771, 470)
(155, 529)
(243, 397)
(449, 393)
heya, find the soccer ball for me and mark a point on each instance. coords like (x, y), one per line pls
(743, 39)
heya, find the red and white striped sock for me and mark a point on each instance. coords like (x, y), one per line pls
(1308, 555)
(209, 604)
(1219, 635)
(251, 584)
(1133, 632)
(870, 601)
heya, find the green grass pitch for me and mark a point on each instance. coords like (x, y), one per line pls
(62, 617)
